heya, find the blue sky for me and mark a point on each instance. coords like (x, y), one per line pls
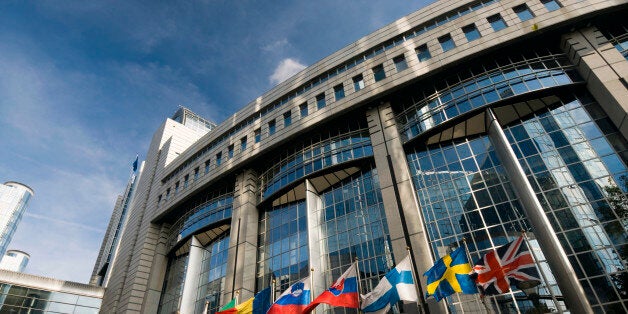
(84, 84)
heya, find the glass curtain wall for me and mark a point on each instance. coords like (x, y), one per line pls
(214, 269)
(283, 248)
(572, 155)
(354, 226)
(173, 284)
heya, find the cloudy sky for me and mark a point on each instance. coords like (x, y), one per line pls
(84, 84)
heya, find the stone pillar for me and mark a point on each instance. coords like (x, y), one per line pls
(604, 69)
(192, 275)
(575, 298)
(405, 220)
(158, 271)
(314, 205)
(241, 264)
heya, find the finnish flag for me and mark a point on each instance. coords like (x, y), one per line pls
(397, 285)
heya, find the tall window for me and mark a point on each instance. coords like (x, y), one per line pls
(243, 144)
(523, 12)
(379, 73)
(551, 5)
(186, 179)
(287, 118)
(446, 42)
(320, 101)
(339, 92)
(303, 110)
(497, 22)
(218, 159)
(207, 163)
(176, 187)
(230, 151)
(258, 135)
(471, 32)
(423, 53)
(358, 82)
(400, 63)
(196, 170)
(271, 127)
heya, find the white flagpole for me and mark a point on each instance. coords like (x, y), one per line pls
(274, 290)
(312, 286)
(488, 309)
(526, 240)
(357, 272)
(418, 300)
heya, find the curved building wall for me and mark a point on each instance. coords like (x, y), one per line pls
(14, 198)
(439, 130)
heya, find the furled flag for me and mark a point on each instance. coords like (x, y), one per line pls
(294, 299)
(344, 292)
(397, 285)
(258, 304)
(137, 158)
(509, 265)
(450, 275)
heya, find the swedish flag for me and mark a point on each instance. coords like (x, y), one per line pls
(449, 275)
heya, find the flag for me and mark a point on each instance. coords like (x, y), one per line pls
(344, 292)
(245, 307)
(135, 163)
(397, 285)
(450, 275)
(509, 265)
(262, 303)
(294, 299)
(228, 308)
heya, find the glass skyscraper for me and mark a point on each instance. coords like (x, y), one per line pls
(14, 198)
(464, 123)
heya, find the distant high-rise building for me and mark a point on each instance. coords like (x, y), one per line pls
(14, 198)
(14, 260)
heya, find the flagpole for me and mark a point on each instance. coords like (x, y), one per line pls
(274, 285)
(525, 238)
(312, 285)
(357, 271)
(464, 240)
(422, 310)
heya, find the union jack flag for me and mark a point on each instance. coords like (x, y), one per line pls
(500, 269)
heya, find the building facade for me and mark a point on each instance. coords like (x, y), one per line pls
(14, 198)
(464, 122)
(15, 260)
(24, 293)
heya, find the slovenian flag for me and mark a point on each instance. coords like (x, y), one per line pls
(294, 300)
(344, 292)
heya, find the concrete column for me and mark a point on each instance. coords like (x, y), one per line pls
(574, 295)
(405, 220)
(241, 264)
(604, 69)
(317, 254)
(192, 275)
(158, 272)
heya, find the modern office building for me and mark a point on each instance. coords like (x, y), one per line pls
(14, 198)
(15, 260)
(24, 293)
(464, 122)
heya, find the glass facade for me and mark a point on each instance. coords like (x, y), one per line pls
(212, 279)
(283, 246)
(173, 284)
(21, 299)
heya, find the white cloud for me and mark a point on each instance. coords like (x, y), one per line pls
(286, 68)
(276, 45)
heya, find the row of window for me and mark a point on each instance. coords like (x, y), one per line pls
(447, 43)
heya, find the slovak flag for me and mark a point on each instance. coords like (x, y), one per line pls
(294, 300)
(344, 292)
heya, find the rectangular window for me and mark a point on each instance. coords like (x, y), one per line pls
(258, 135)
(400, 63)
(497, 22)
(218, 159)
(271, 127)
(551, 5)
(185, 181)
(523, 12)
(168, 194)
(243, 144)
(320, 101)
(379, 73)
(158, 199)
(176, 187)
(446, 42)
(358, 82)
(423, 53)
(196, 170)
(230, 151)
(287, 118)
(303, 109)
(207, 163)
(471, 32)
(339, 92)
